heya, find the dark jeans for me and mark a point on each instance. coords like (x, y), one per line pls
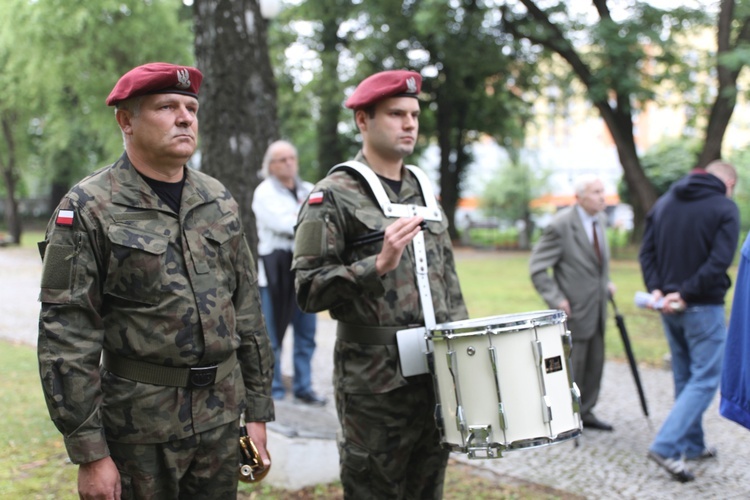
(303, 325)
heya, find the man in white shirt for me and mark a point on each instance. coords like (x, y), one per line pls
(276, 203)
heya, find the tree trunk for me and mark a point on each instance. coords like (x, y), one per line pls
(726, 97)
(330, 148)
(238, 117)
(10, 176)
(449, 177)
(620, 125)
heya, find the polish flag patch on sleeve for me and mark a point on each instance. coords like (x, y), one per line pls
(65, 218)
(316, 198)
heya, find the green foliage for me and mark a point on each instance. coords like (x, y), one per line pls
(510, 192)
(71, 55)
(740, 158)
(453, 44)
(666, 162)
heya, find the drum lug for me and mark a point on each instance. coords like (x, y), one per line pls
(546, 410)
(567, 343)
(481, 435)
(500, 408)
(539, 360)
(439, 417)
(576, 395)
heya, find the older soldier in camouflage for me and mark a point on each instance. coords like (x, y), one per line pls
(147, 269)
(391, 444)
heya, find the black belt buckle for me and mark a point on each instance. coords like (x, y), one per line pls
(202, 376)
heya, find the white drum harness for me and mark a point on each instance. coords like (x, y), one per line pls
(430, 212)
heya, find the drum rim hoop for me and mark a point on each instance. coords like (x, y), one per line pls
(481, 326)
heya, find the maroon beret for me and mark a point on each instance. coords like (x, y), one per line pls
(156, 78)
(396, 83)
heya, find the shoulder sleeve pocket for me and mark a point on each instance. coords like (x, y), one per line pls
(58, 264)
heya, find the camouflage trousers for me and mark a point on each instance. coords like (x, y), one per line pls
(391, 445)
(202, 466)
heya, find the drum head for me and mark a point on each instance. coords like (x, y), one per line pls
(498, 324)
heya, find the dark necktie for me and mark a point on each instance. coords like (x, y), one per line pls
(597, 249)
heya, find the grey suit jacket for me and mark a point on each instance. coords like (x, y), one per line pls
(565, 250)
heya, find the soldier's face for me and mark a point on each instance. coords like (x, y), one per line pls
(392, 131)
(165, 129)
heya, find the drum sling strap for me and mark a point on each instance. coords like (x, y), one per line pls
(430, 212)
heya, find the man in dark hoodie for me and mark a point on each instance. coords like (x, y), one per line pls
(689, 243)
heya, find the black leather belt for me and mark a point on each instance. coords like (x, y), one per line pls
(372, 335)
(149, 373)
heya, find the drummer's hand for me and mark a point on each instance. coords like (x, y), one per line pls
(257, 432)
(397, 236)
(565, 307)
(673, 303)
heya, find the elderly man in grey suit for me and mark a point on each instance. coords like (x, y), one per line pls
(573, 246)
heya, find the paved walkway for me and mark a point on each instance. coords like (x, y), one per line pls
(603, 465)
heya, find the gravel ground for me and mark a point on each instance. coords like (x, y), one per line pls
(600, 465)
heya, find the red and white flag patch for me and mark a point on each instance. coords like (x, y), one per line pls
(316, 198)
(65, 218)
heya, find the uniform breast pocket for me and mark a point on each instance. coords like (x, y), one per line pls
(136, 264)
(370, 228)
(219, 251)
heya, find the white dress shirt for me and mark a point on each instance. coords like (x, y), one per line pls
(275, 209)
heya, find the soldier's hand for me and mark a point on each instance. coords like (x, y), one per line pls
(397, 236)
(257, 432)
(99, 480)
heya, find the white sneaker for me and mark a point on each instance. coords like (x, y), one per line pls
(675, 467)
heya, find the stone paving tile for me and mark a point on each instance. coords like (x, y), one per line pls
(603, 465)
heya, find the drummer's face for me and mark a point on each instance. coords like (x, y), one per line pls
(592, 200)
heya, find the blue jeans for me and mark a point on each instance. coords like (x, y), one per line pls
(303, 326)
(696, 339)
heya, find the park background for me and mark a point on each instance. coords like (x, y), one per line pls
(519, 98)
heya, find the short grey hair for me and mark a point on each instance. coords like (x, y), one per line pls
(132, 106)
(265, 166)
(582, 182)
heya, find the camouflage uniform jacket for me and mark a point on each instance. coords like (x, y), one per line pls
(133, 277)
(333, 274)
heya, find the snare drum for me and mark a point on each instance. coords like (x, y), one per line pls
(504, 383)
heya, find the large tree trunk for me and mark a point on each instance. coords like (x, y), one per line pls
(238, 117)
(10, 176)
(620, 125)
(330, 148)
(449, 172)
(726, 97)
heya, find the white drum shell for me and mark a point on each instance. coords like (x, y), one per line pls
(532, 388)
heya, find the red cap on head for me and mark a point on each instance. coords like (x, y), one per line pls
(396, 83)
(156, 78)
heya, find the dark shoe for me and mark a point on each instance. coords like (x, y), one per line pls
(708, 452)
(311, 399)
(675, 467)
(592, 422)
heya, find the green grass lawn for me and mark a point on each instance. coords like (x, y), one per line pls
(495, 283)
(33, 462)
